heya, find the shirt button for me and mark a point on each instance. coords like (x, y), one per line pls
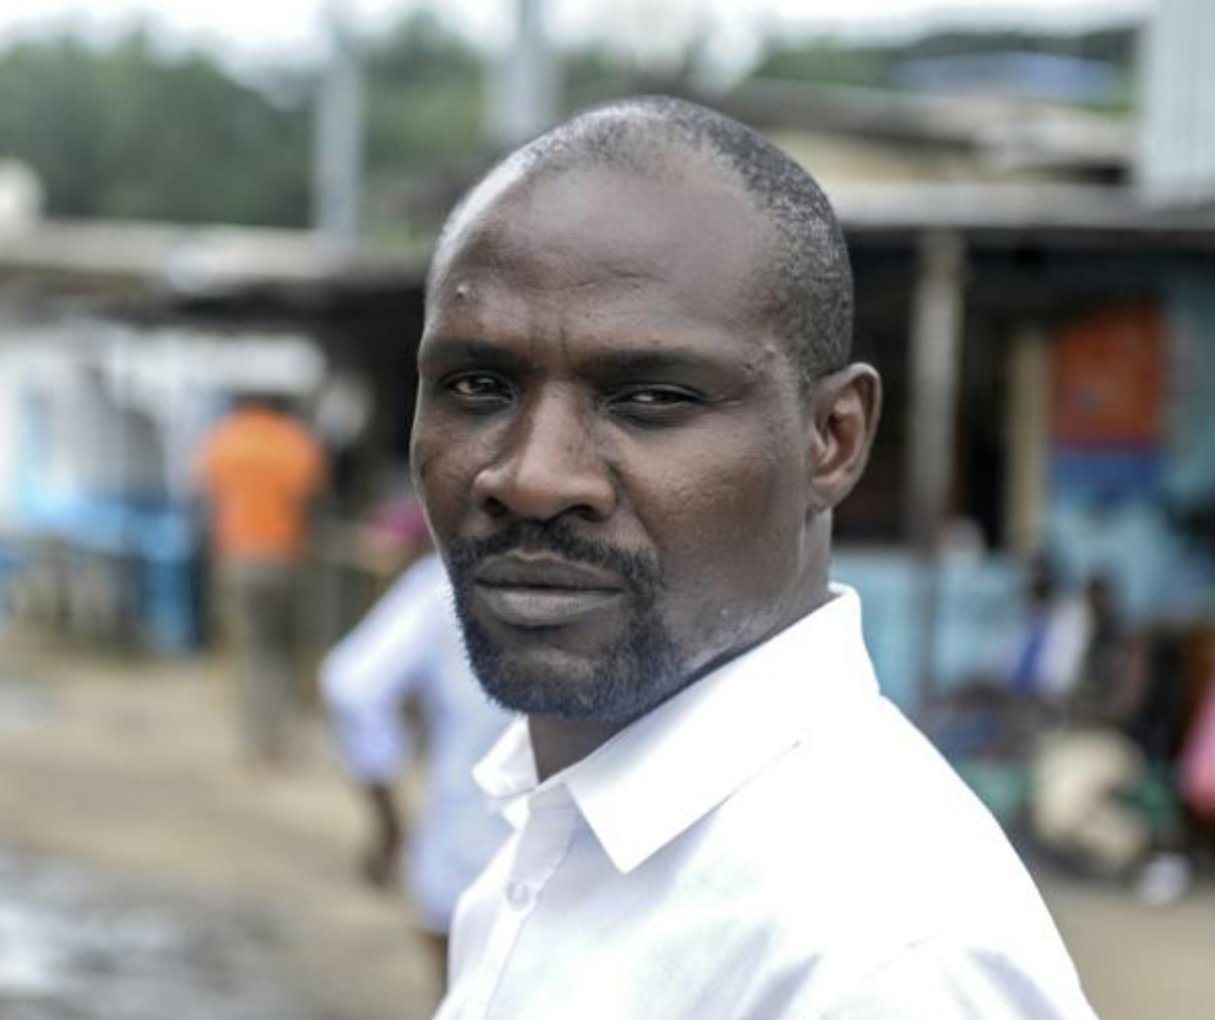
(518, 894)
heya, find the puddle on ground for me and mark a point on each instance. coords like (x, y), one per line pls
(24, 705)
(76, 946)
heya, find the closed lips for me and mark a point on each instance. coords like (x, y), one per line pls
(544, 593)
(545, 573)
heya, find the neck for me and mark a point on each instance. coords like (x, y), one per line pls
(558, 743)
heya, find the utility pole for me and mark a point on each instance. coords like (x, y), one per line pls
(337, 170)
(523, 91)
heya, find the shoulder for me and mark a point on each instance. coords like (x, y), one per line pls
(874, 873)
(949, 979)
(220, 434)
(863, 829)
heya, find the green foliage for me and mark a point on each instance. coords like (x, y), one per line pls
(1114, 46)
(830, 61)
(425, 89)
(823, 61)
(125, 132)
(593, 75)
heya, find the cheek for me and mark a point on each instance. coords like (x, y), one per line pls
(729, 525)
(442, 477)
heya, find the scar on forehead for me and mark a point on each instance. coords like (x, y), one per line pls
(463, 291)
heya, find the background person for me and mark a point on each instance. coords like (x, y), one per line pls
(261, 468)
(408, 649)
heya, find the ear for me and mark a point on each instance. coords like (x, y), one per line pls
(845, 407)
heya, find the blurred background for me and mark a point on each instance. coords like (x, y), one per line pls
(208, 205)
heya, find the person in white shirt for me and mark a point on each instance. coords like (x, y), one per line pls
(636, 414)
(1046, 657)
(409, 647)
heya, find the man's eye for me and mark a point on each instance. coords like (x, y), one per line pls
(655, 403)
(479, 386)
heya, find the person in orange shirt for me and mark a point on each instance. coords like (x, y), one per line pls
(261, 469)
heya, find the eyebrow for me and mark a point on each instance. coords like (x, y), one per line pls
(444, 352)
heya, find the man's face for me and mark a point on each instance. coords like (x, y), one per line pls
(612, 450)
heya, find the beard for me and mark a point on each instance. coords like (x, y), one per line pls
(628, 676)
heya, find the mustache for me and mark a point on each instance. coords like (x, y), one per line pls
(638, 570)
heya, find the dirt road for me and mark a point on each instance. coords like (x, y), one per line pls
(124, 811)
(128, 771)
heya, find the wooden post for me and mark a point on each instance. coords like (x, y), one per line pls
(1027, 439)
(935, 357)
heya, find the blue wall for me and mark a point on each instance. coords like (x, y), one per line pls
(980, 609)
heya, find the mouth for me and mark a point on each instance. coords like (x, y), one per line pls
(534, 592)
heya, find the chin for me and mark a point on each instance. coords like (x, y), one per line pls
(616, 682)
(543, 684)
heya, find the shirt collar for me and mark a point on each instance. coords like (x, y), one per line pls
(671, 767)
(507, 775)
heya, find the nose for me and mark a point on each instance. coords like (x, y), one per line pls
(549, 464)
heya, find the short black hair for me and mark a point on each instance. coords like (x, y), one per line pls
(804, 289)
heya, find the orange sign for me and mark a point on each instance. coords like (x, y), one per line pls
(1109, 380)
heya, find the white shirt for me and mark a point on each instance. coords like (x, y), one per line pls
(775, 841)
(410, 644)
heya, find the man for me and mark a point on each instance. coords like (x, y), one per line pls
(261, 469)
(409, 647)
(636, 416)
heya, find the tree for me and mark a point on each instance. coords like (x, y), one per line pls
(125, 132)
(426, 87)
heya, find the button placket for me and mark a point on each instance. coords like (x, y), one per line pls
(518, 894)
(542, 846)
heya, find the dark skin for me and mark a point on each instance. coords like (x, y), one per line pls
(380, 859)
(590, 356)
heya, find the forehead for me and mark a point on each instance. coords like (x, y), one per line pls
(686, 240)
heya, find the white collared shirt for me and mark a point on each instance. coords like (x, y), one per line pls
(775, 841)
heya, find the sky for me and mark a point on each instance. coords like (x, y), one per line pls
(248, 31)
